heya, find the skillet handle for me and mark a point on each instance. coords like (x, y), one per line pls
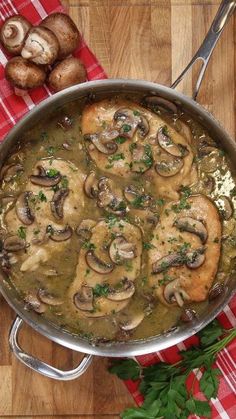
(225, 10)
(40, 366)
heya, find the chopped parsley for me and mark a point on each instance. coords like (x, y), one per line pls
(136, 113)
(88, 245)
(120, 140)
(64, 182)
(126, 128)
(36, 231)
(147, 158)
(52, 172)
(128, 266)
(148, 246)
(111, 220)
(115, 157)
(50, 150)
(42, 197)
(101, 290)
(21, 232)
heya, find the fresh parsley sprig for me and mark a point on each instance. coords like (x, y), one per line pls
(164, 385)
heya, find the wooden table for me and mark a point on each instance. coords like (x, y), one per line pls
(146, 39)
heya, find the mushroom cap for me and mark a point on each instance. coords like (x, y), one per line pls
(24, 74)
(67, 73)
(41, 46)
(66, 32)
(13, 33)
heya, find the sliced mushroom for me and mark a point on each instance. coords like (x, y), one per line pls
(143, 126)
(105, 198)
(97, 265)
(7, 200)
(191, 225)
(169, 165)
(44, 179)
(48, 298)
(41, 46)
(188, 315)
(174, 293)
(141, 162)
(132, 322)
(10, 171)
(34, 303)
(216, 291)
(108, 147)
(196, 258)
(84, 229)
(14, 244)
(40, 171)
(161, 265)
(61, 235)
(90, 185)
(23, 210)
(120, 249)
(225, 207)
(161, 103)
(104, 183)
(58, 202)
(132, 193)
(167, 144)
(65, 122)
(126, 122)
(13, 33)
(125, 291)
(83, 299)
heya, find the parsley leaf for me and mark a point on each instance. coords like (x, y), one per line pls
(129, 369)
(210, 333)
(115, 157)
(120, 140)
(101, 290)
(21, 232)
(164, 385)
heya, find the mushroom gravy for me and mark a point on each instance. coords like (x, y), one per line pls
(117, 220)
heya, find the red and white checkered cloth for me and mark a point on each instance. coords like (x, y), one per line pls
(13, 107)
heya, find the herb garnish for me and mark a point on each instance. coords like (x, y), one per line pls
(148, 246)
(183, 204)
(126, 128)
(88, 245)
(115, 157)
(120, 140)
(21, 232)
(42, 197)
(52, 172)
(101, 290)
(164, 385)
(64, 182)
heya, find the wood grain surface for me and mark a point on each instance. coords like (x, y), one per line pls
(144, 39)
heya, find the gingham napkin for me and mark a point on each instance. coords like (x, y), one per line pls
(13, 107)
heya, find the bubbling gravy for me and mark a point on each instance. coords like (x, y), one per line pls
(118, 219)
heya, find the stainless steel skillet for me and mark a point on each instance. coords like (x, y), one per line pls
(99, 90)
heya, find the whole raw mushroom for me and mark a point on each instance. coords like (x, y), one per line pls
(13, 33)
(67, 73)
(66, 32)
(41, 46)
(24, 74)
